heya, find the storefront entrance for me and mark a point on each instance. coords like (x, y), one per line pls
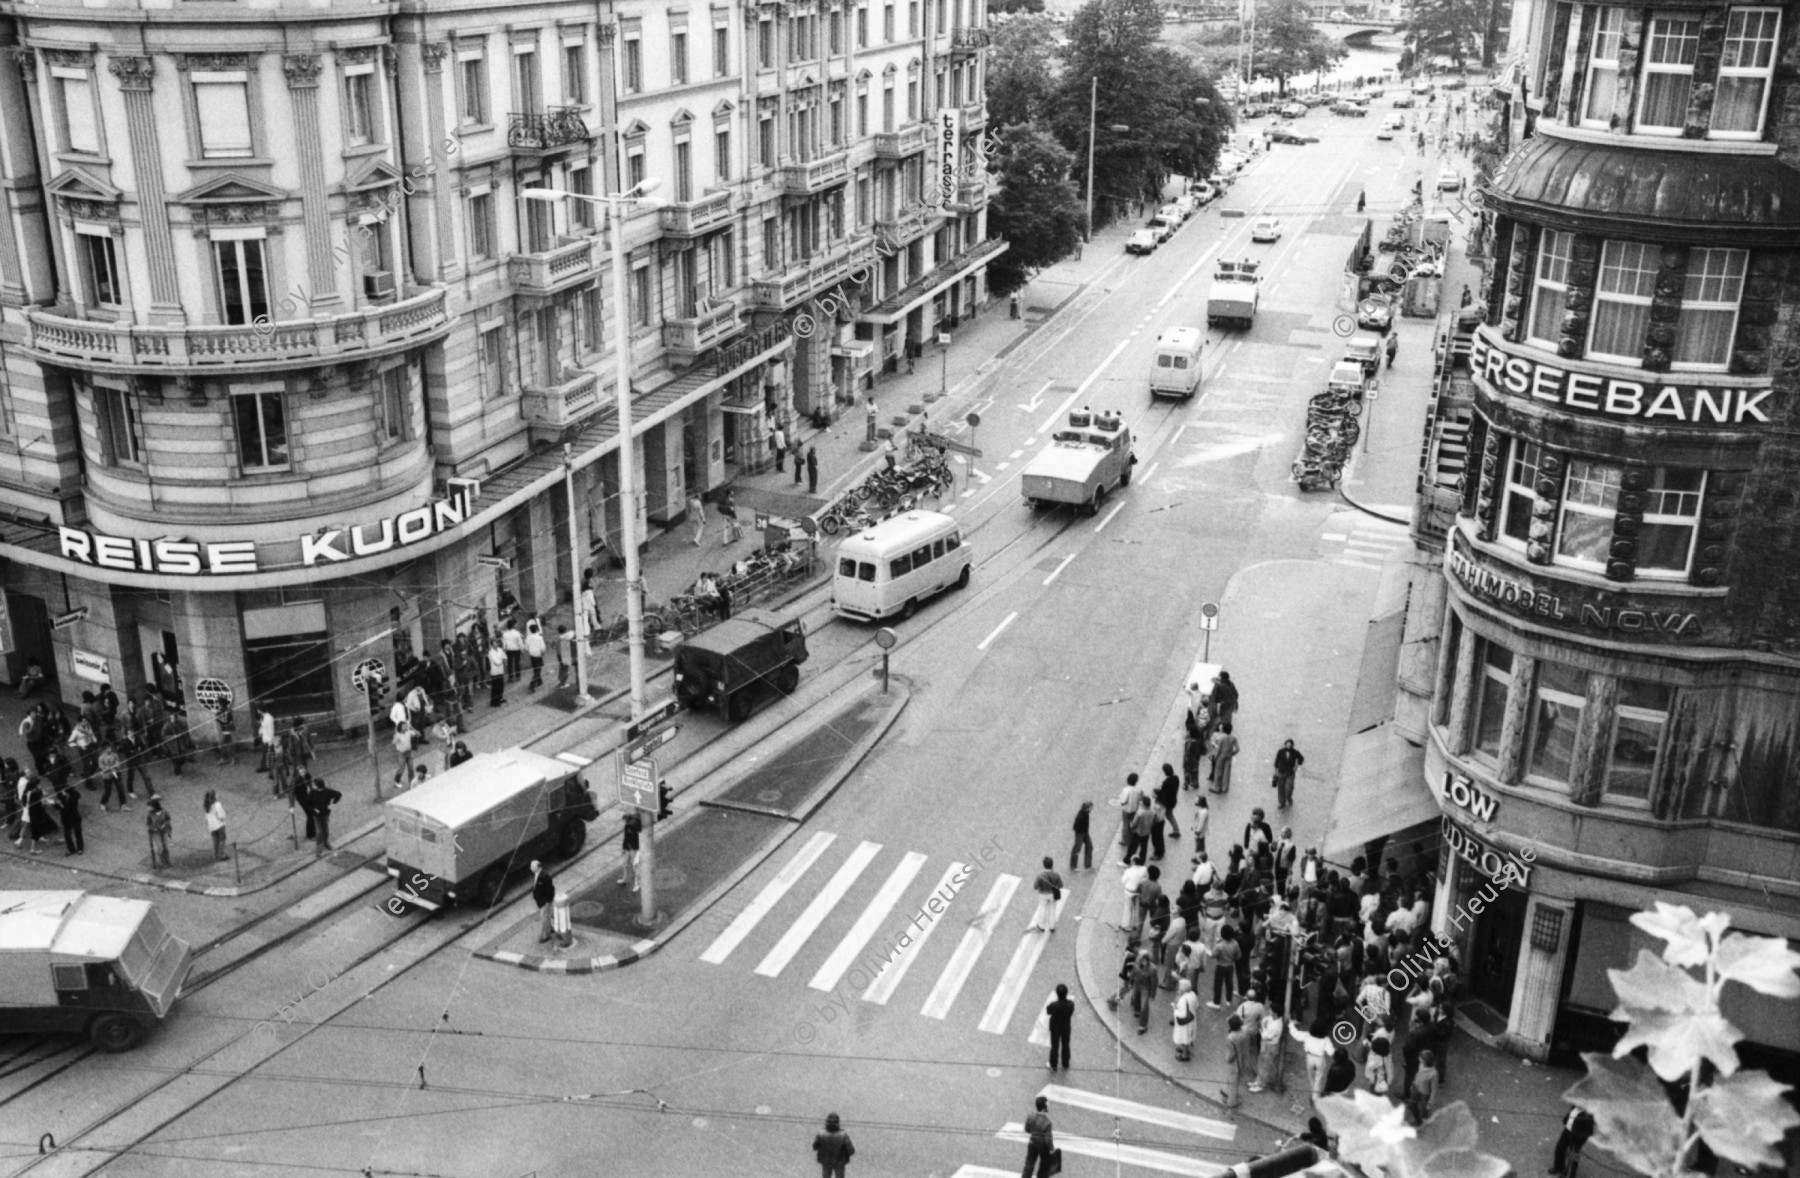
(1494, 949)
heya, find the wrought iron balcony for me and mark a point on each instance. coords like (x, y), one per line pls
(814, 176)
(260, 346)
(712, 324)
(558, 406)
(554, 129)
(556, 269)
(694, 217)
(897, 145)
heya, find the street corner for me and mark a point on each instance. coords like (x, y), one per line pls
(588, 952)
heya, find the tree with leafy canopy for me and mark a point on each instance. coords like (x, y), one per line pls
(1288, 44)
(1447, 28)
(1037, 209)
(1674, 1020)
(1021, 71)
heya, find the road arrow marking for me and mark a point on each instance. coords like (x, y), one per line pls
(1037, 398)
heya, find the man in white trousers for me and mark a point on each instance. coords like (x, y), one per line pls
(1049, 887)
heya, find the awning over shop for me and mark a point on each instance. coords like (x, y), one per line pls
(1373, 703)
(933, 283)
(1381, 791)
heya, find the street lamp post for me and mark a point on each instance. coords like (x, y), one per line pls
(1093, 106)
(616, 206)
(581, 632)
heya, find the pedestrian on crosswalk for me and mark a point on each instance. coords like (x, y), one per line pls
(1049, 889)
(833, 1148)
(1062, 1020)
(1237, 1062)
(1187, 1020)
(1040, 1150)
(1084, 843)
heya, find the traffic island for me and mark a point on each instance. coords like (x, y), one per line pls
(704, 853)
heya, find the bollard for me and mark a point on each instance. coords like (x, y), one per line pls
(560, 926)
(293, 826)
(237, 873)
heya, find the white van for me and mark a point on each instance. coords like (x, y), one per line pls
(1176, 370)
(893, 566)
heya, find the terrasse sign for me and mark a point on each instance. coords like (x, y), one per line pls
(175, 556)
(1524, 598)
(1589, 393)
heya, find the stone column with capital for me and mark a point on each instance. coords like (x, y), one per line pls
(427, 149)
(27, 269)
(135, 75)
(302, 70)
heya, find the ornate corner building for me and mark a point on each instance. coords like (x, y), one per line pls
(289, 367)
(1605, 669)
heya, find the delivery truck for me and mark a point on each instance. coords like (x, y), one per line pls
(459, 837)
(1082, 463)
(1234, 293)
(98, 966)
(729, 665)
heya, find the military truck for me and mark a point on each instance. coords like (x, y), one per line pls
(728, 666)
(1082, 463)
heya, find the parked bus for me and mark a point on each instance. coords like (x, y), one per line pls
(1176, 370)
(893, 566)
(100, 966)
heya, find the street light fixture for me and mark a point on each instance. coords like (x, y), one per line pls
(617, 206)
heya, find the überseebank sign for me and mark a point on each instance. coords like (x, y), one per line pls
(1522, 375)
(181, 557)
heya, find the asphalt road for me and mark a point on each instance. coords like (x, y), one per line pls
(1038, 687)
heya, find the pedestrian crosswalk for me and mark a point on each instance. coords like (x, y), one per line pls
(1364, 542)
(1175, 1153)
(797, 921)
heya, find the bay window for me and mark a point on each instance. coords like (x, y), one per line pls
(1671, 521)
(1603, 67)
(1550, 289)
(1521, 490)
(1639, 722)
(1665, 535)
(1745, 68)
(1622, 300)
(1670, 49)
(1493, 681)
(1709, 307)
(1590, 501)
(1557, 702)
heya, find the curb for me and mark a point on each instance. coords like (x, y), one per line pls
(704, 903)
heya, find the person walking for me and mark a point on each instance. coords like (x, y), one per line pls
(812, 470)
(323, 798)
(1316, 1040)
(403, 750)
(590, 604)
(1577, 1127)
(110, 780)
(1238, 1065)
(1168, 793)
(1040, 1148)
(628, 843)
(160, 826)
(215, 823)
(1143, 989)
(543, 894)
(496, 668)
(696, 510)
(1224, 753)
(1083, 841)
(1187, 1019)
(833, 1148)
(1049, 887)
(1288, 760)
(535, 649)
(1062, 1020)
(1392, 347)
(68, 812)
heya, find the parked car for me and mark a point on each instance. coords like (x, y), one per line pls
(1385, 131)
(1187, 206)
(1253, 110)
(1294, 110)
(1349, 109)
(1423, 88)
(1449, 181)
(1456, 84)
(1318, 100)
(1204, 193)
(1265, 229)
(1375, 313)
(1164, 229)
(1403, 102)
(1283, 135)
(1142, 241)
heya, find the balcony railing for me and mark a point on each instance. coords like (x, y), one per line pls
(974, 116)
(896, 145)
(694, 217)
(898, 228)
(816, 273)
(968, 42)
(372, 331)
(685, 339)
(561, 405)
(971, 195)
(555, 269)
(804, 179)
(554, 129)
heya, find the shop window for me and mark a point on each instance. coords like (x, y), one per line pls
(1521, 490)
(1622, 301)
(1550, 291)
(1556, 706)
(1745, 69)
(1491, 686)
(1639, 722)
(120, 436)
(291, 674)
(1670, 50)
(261, 431)
(1603, 67)
(1709, 308)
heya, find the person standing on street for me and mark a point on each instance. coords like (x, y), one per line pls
(833, 1148)
(1224, 752)
(696, 510)
(778, 443)
(160, 826)
(1040, 1150)
(1423, 1090)
(543, 894)
(628, 843)
(1193, 745)
(1049, 889)
(68, 811)
(496, 667)
(1084, 843)
(1187, 1018)
(565, 654)
(1238, 1067)
(812, 470)
(1225, 697)
(1577, 1127)
(535, 648)
(1202, 816)
(1392, 347)
(215, 823)
(1129, 801)
(732, 531)
(513, 643)
(323, 798)
(1288, 760)
(1168, 793)
(1144, 986)
(1062, 1020)
(590, 604)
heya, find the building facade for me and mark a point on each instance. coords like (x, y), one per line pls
(1604, 658)
(293, 376)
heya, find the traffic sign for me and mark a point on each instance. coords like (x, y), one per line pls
(492, 562)
(943, 443)
(369, 673)
(64, 621)
(637, 783)
(644, 745)
(215, 695)
(659, 714)
(1209, 616)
